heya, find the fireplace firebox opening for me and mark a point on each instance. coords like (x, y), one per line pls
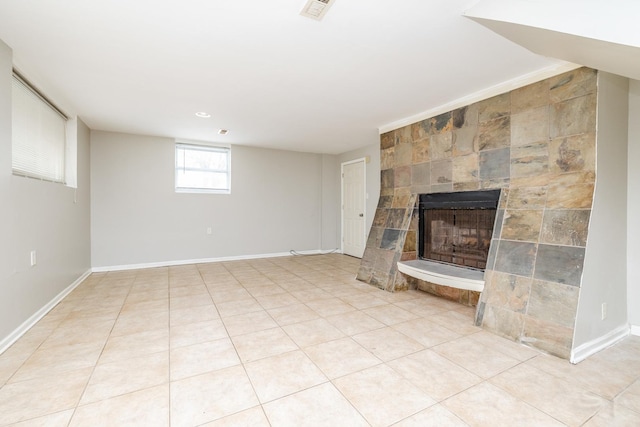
(456, 228)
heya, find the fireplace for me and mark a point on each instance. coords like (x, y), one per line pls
(456, 228)
(454, 237)
(543, 145)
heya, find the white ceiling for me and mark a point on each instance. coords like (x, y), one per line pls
(599, 34)
(272, 77)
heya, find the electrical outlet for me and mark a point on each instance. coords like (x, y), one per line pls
(33, 258)
(208, 230)
(604, 310)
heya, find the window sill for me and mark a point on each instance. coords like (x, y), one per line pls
(203, 191)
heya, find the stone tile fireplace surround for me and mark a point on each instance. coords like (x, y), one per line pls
(538, 145)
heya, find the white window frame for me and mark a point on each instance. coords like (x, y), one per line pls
(35, 138)
(219, 148)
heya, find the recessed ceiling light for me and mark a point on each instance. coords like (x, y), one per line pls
(223, 131)
(203, 114)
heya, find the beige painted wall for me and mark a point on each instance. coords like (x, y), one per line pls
(40, 216)
(633, 205)
(605, 267)
(137, 218)
(330, 223)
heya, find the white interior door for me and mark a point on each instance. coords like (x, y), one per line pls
(353, 208)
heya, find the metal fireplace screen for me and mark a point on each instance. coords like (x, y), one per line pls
(456, 228)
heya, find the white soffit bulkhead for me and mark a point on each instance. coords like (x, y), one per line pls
(316, 9)
(601, 35)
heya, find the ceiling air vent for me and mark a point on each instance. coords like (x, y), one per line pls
(316, 9)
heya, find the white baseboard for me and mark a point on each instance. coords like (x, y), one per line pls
(206, 260)
(6, 342)
(585, 350)
(635, 330)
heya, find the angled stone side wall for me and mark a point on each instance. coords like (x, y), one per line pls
(538, 144)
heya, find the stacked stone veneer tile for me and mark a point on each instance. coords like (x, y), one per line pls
(538, 145)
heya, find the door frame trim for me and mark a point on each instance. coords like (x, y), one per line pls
(364, 183)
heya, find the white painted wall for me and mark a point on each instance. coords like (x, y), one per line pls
(372, 152)
(137, 218)
(633, 208)
(40, 216)
(605, 267)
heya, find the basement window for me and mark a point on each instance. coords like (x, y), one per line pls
(38, 134)
(203, 168)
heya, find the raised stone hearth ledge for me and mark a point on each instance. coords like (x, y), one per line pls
(537, 144)
(443, 274)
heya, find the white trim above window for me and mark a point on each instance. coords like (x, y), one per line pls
(202, 168)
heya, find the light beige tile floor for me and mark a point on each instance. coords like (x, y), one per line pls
(292, 341)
